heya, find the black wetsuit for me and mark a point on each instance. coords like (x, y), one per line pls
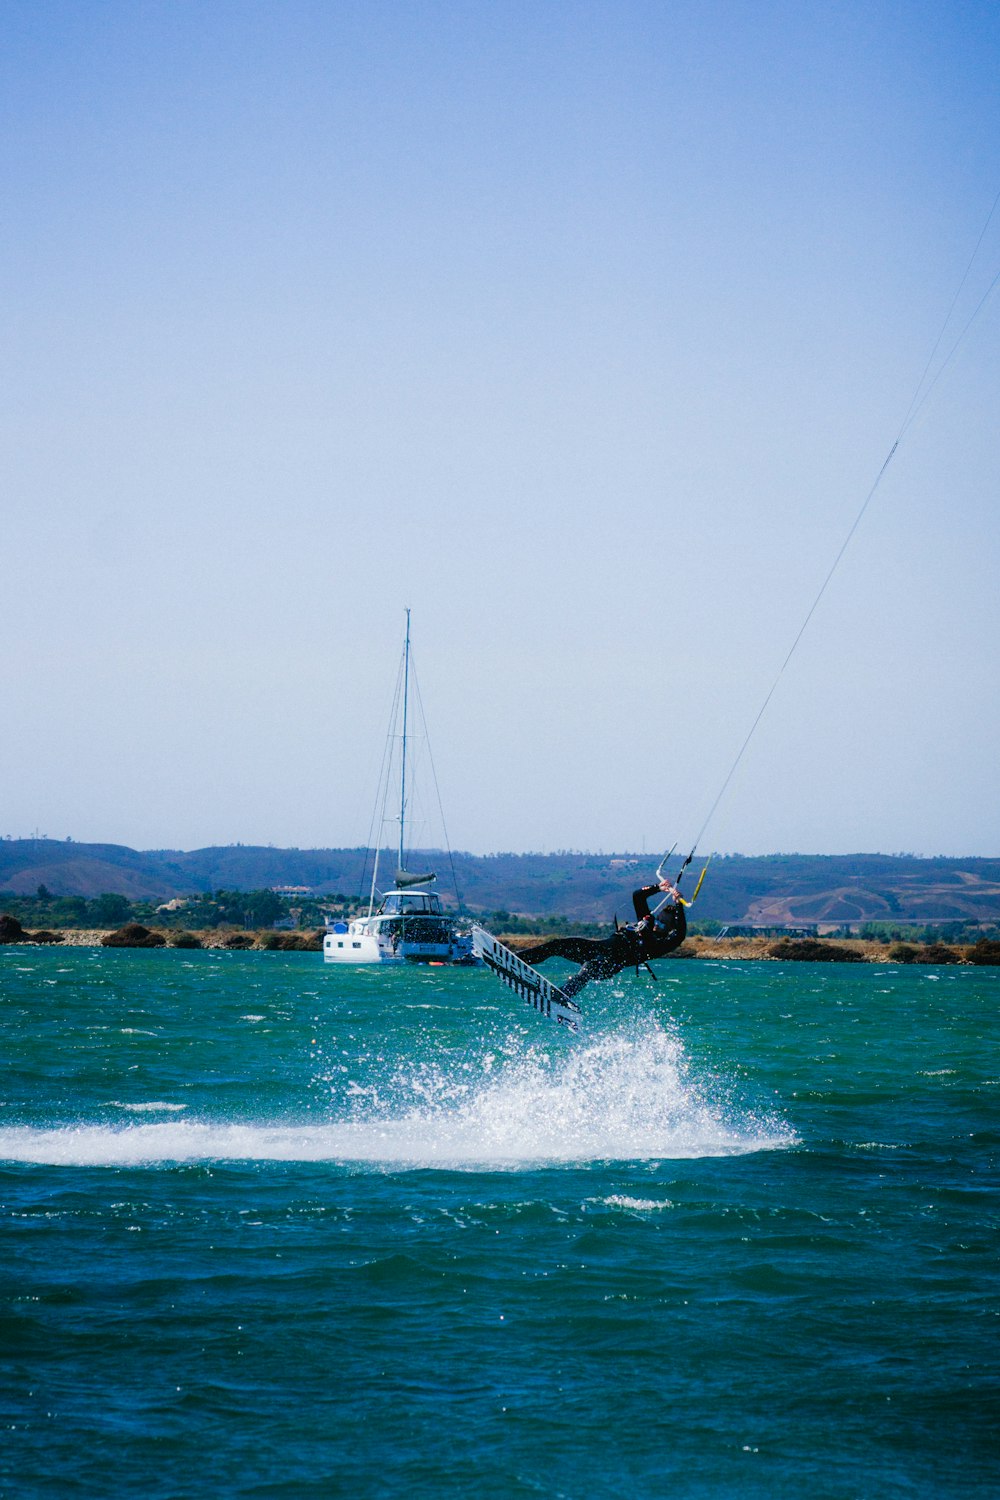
(602, 958)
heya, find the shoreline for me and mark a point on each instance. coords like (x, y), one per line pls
(739, 949)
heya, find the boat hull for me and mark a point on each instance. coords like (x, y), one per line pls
(376, 942)
(360, 950)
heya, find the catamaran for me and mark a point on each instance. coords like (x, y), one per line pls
(406, 924)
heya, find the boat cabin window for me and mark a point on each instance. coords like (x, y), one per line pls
(410, 904)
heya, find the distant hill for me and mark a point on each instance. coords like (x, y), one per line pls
(71, 869)
(774, 889)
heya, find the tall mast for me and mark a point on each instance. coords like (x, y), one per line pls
(402, 780)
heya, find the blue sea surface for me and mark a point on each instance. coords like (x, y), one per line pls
(272, 1228)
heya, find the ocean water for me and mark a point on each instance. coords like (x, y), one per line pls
(275, 1229)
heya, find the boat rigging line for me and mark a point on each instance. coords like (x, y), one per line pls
(920, 396)
(437, 789)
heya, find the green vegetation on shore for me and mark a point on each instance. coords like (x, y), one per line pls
(264, 911)
(261, 910)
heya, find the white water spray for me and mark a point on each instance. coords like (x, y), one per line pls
(620, 1098)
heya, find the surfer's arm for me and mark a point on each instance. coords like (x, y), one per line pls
(640, 900)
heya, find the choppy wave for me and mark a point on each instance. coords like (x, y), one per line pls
(151, 1107)
(617, 1098)
(636, 1205)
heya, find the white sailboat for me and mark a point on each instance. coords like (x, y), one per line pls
(406, 924)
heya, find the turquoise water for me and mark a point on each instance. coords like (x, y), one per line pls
(275, 1229)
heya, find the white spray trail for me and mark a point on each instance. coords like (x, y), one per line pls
(619, 1098)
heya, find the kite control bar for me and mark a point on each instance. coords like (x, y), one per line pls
(680, 872)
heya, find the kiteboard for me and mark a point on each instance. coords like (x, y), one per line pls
(525, 981)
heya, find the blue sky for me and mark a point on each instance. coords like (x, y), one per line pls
(582, 329)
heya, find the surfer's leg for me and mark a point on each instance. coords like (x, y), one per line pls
(576, 981)
(609, 958)
(601, 967)
(576, 950)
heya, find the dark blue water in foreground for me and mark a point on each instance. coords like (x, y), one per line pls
(271, 1229)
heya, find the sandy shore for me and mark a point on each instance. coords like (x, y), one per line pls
(84, 937)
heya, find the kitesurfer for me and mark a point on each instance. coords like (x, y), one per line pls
(650, 936)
